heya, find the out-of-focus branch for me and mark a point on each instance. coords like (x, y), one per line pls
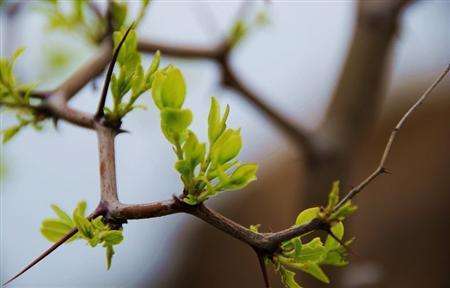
(55, 102)
(381, 166)
(358, 95)
(221, 55)
(357, 98)
(184, 51)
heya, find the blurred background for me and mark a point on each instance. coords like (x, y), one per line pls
(294, 63)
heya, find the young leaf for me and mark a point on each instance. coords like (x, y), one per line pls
(346, 210)
(313, 251)
(333, 197)
(241, 177)
(227, 146)
(338, 231)
(307, 216)
(315, 270)
(175, 122)
(9, 133)
(63, 216)
(169, 88)
(109, 254)
(288, 278)
(216, 124)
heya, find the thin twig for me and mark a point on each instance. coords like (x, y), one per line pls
(380, 168)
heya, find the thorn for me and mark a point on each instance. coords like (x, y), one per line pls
(385, 171)
(122, 131)
(43, 255)
(263, 267)
(55, 122)
(101, 104)
(346, 247)
(52, 248)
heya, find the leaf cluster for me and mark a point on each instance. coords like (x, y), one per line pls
(131, 79)
(81, 18)
(95, 231)
(241, 28)
(309, 257)
(16, 96)
(205, 168)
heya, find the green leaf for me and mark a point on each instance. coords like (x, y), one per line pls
(183, 167)
(83, 225)
(344, 211)
(81, 208)
(155, 63)
(168, 88)
(62, 215)
(193, 150)
(315, 270)
(175, 122)
(307, 216)
(255, 228)
(238, 32)
(336, 257)
(119, 13)
(138, 82)
(216, 124)
(9, 133)
(53, 229)
(313, 251)
(109, 254)
(227, 146)
(333, 197)
(17, 54)
(112, 237)
(241, 177)
(338, 231)
(288, 278)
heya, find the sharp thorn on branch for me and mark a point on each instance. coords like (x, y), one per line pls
(101, 104)
(99, 211)
(263, 267)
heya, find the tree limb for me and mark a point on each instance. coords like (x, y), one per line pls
(381, 169)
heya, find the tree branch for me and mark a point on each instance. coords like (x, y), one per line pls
(56, 103)
(108, 185)
(381, 169)
(184, 51)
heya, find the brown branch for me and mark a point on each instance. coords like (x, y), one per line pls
(221, 54)
(56, 104)
(184, 51)
(108, 186)
(91, 69)
(381, 169)
(297, 134)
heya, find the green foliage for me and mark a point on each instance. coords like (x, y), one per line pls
(131, 80)
(205, 169)
(79, 18)
(16, 96)
(310, 256)
(242, 28)
(95, 231)
(86, 19)
(330, 212)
